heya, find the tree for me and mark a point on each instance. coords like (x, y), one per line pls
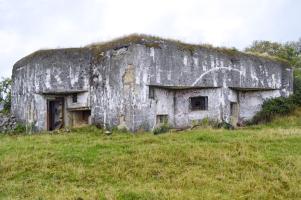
(5, 94)
(296, 45)
(290, 51)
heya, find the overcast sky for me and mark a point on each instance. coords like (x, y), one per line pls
(29, 25)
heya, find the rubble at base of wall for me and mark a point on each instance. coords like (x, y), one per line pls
(8, 123)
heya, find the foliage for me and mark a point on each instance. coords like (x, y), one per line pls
(5, 94)
(271, 108)
(280, 106)
(225, 125)
(205, 123)
(163, 128)
(291, 120)
(211, 123)
(272, 48)
(20, 128)
(289, 51)
(264, 163)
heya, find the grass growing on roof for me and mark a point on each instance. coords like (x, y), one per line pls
(151, 41)
(256, 163)
(156, 42)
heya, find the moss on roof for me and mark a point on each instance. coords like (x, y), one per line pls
(156, 42)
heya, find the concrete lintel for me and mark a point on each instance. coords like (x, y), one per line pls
(66, 92)
(181, 87)
(252, 89)
(78, 109)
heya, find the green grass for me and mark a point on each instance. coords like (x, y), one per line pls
(253, 163)
(286, 121)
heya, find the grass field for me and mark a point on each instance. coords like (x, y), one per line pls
(262, 162)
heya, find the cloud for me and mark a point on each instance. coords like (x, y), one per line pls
(29, 25)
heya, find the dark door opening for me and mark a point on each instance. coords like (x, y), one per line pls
(234, 112)
(55, 114)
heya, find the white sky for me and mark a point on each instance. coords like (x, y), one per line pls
(29, 25)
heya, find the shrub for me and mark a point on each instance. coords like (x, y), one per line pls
(163, 128)
(274, 107)
(279, 106)
(20, 128)
(225, 125)
(5, 94)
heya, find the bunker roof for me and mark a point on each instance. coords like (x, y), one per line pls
(151, 41)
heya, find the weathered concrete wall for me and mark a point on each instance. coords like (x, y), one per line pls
(41, 75)
(206, 68)
(125, 74)
(115, 84)
(175, 103)
(184, 116)
(251, 101)
(114, 91)
(83, 101)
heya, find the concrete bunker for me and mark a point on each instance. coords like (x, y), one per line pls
(143, 82)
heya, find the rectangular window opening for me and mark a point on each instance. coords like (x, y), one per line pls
(162, 119)
(151, 93)
(199, 103)
(74, 98)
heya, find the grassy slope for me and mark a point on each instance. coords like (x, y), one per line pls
(292, 120)
(256, 163)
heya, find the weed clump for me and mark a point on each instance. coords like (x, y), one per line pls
(211, 123)
(163, 128)
(20, 128)
(205, 123)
